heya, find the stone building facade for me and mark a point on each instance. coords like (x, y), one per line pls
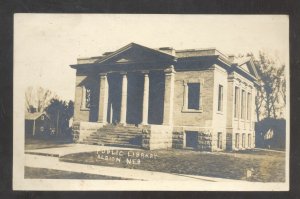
(197, 99)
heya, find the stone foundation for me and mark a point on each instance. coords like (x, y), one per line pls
(157, 137)
(165, 137)
(81, 130)
(206, 140)
(178, 139)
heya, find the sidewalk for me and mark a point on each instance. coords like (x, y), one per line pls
(71, 148)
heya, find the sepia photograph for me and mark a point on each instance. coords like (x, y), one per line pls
(151, 102)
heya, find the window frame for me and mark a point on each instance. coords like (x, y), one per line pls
(220, 107)
(243, 103)
(236, 101)
(249, 107)
(185, 96)
(195, 87)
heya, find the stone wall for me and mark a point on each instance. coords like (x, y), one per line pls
(81, 113)
(202, 117)
(81, 130)
(205, 140)
(157, 137)
(178, 140)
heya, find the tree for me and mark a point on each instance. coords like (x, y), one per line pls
(272, 93)
(36, 99)
(60, 113)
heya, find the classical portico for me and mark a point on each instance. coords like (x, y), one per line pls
(116, 105)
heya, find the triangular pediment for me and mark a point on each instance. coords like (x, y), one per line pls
(135, 53)
(248, 67)
(245, 68)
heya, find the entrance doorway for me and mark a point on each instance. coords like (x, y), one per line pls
(114, 98)
(156, 97)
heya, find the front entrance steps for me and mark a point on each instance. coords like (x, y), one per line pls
(128, 136)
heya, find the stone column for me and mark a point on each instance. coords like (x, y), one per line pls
(123, 99)
(169, 94)
(103, 99)
(145, 98)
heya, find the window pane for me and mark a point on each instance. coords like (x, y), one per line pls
(193, 95)
(249, 106)
(243, 105)
(236, 99)
(220, 98)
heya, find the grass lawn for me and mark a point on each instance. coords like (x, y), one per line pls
(267, 166)
(40, 143)
(41, 173)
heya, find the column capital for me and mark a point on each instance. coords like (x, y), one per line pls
(102, 74)
(170, 70)
(123, 73)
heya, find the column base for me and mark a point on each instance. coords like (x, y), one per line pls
(123, 124)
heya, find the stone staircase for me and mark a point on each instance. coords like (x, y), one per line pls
(110, 135)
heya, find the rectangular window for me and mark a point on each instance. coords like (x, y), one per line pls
(249, 106)
(237, 140)
(249, 140)
(236, 102)
(87, 97)
(243, 140)
(219, 140)
(243, 105)
(193, 96)
(220, 98)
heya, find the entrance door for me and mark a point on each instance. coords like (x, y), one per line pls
(191, 138)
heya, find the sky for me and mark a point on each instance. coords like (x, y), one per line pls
(45, 45)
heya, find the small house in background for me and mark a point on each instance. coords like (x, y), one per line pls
(271, 134)
(36, 124)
